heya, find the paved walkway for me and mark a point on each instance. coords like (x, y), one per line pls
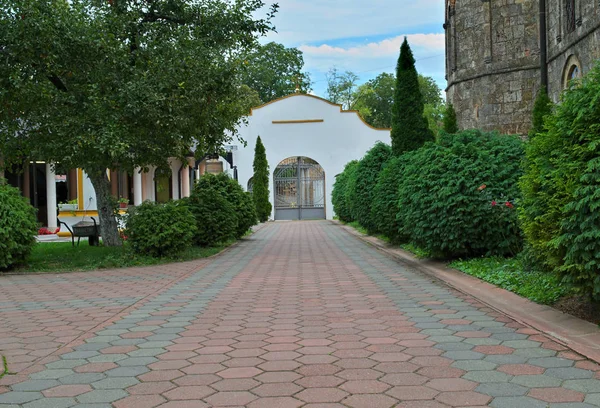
(301, 314)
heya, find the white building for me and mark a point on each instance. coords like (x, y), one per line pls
(308, 140)
(304, 126)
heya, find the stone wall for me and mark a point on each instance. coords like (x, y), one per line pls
(567, 49)
(492, 63)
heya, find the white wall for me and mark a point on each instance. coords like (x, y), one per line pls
(340, 138)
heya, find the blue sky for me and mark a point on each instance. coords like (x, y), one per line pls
(362, 36)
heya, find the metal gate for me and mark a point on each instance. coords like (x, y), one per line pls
(299, 189)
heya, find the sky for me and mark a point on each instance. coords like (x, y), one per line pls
(362, 36)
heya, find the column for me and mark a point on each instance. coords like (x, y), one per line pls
(185, 181)
(487, 33)
(137, 186)
(174, 182)
(51, 197)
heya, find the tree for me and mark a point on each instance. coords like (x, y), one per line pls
(121, 84)
(374, 100)
(409, 128)
(275, 71)
(450, 124)
(341, 87)
(541, 108)
(260, 189)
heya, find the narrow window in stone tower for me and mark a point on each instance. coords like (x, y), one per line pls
(569, 15)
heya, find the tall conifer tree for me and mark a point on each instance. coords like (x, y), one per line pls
(541, 108)
(409, 127)
(260, 189)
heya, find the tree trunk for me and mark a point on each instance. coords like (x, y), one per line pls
(106, 211)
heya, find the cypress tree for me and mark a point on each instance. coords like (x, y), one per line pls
(541, 108)
(410, 129)
(260, 190)
(450, 124)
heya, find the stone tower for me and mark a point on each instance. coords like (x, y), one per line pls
(493, 65)
(492, 62)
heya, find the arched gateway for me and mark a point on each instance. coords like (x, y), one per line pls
(307, 140)
(299, 189)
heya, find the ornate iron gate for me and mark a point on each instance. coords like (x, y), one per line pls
(299, 189)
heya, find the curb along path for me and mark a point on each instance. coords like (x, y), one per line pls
(303, 314)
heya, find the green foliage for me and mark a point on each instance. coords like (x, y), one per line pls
(245, 213)
(509, 274)
(361, 190)
(339, 193)
(450, 123)
(416, 251)
(457, 198)
(18, 226)
(410, 129)
(541, 108)
(260, 189)
(274, 71)
(160, 230)
(89, 83)
(561, 185)
(341, 87)
(375, 98)
(215, 216)
(384, 208)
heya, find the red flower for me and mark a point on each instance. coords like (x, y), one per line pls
(509, 205)
(493, 203)
(482, 187)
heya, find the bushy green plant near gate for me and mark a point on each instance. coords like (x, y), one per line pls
(361, 190)
(384, 209)
(160, 230)
(561, 188)
(260, 189)
(351, 205)
(458, 197)
(245, 212)
(18, 226)
(215, 216)
(338, 195)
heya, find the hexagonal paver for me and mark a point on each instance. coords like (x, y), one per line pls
(321, 395)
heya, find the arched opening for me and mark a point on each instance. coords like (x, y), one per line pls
(299, 184)
(571, 71)
(250, 186)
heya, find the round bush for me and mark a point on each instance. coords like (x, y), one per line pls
(245, 210)
(18, 226)
(458, 197)
(384, 209)
(361, 190)
(216, 218)
(160, 230)
(338, 195)
(560, 188)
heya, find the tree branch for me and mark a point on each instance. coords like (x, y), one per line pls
(57, 82)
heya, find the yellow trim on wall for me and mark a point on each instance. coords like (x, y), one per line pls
(80, 197)
(287, 122)
(320, 99)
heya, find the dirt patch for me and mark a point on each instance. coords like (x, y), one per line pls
(579, 307)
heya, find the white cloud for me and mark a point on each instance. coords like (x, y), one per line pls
(387, 47)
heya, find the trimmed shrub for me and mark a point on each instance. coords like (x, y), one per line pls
(338, 195)
(18, 226)
(457, 198)
(350, 186)
(541, 108)
(245, 212)
(450, 122)
(215, 216)
(260, 189)
(384, 209)
(361, 192)
(160, 230)
(561, 185)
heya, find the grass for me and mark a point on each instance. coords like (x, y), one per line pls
(62, 257)
(416, 251)
(509, 274)
(4, 368)
(358, 227)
